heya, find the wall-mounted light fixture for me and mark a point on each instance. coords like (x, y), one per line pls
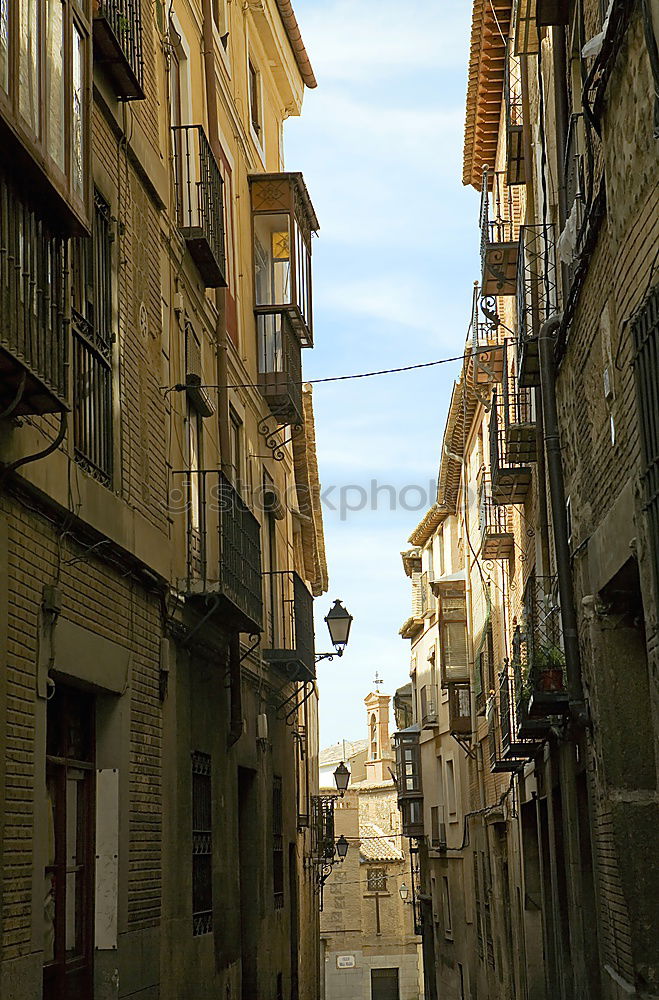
(338, 621)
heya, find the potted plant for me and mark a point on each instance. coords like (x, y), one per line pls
(548, 666)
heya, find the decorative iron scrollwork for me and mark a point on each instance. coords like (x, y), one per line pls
(270, 432)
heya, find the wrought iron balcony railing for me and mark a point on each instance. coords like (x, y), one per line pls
(515, 167)
(280, 366)
(429, 717)
(538, 656)
(293, 629)
(33, 330)
(495, 522)
(200, 202)
(499, 236)
(519, 421)
(536, 296)
(438, 828)
(118, 45)
(322, 827)
(510, 480)
(224, 547)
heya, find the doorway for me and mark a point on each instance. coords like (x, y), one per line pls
(384, 984)
(69, 871)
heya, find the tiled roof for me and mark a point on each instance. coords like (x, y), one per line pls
(375, 845)
(341, 751)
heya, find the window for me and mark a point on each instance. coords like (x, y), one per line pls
(92, 346)
(271, 578)
(446, 906)
(450, 787)
(376, 880)
(202, 871)
(48, 43)
(196, 506)
(254, 87)
(645, 331)
(384, 984)
(277, 843)
(434, 825)
(236, 434)
(374, 738)
(221, 20)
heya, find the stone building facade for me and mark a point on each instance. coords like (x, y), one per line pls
(161, 535)
(537, 565)
(369, 945)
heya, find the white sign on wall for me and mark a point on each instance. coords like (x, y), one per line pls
(345, 961)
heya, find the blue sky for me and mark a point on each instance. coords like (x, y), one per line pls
(380, 146)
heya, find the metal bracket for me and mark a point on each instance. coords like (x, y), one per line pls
(468, 749)
(255, 638)
(269, 434)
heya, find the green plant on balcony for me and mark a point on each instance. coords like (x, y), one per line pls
(546, 671)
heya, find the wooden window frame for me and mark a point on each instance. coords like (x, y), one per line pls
(70, 208)
(278, 842)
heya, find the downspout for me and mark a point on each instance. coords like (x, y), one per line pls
(222, 363)
(546, 340)
(541, 479)
(221, 341)
(578, 712)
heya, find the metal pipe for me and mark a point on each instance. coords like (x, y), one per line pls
(546, 339)
(221, 340)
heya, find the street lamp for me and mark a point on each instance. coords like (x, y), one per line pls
(404, 892)
(342, 846)
(338, 621)
(341, 779)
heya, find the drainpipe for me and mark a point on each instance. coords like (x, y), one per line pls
(566, 752)
(222, 364)
(546, 339)
(221, 344)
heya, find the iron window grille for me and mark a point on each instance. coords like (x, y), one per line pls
(428, 705)
(376, 880)
(277, 843)
(515, 171)
(91, 315)
(202, 845)
(537, 297)
(118, 45)
(510, 479)
(200, 202)
(33, 297)
(645, 333)
(539, 655)
(280, 366)
(494, 521)
(322, 827)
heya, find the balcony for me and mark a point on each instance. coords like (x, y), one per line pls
(499, 762)
(516, 743)
(499, 236)
(294, 654)
(438, 840)
(538, 655)
(487, 341)
(118, 45)
(536, 296)
(515, 167)
(224, 548)
(199, 202)
(459, 708)
(408, 780)
(429, 706)
(510, 480)
(33, 330)
(283, 223)
(322, 828)
(280, 367)
(495, 522)
(519, 421)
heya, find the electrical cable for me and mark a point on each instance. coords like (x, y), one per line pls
(179, 387)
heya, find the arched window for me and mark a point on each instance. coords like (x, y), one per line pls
(374, 738)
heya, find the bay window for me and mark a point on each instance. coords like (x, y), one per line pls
(44, 105)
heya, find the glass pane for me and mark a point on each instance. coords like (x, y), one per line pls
(55, 81)
(272, 260)
(28, 80)
(4, 44)
(74, 787)
(77, 138)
